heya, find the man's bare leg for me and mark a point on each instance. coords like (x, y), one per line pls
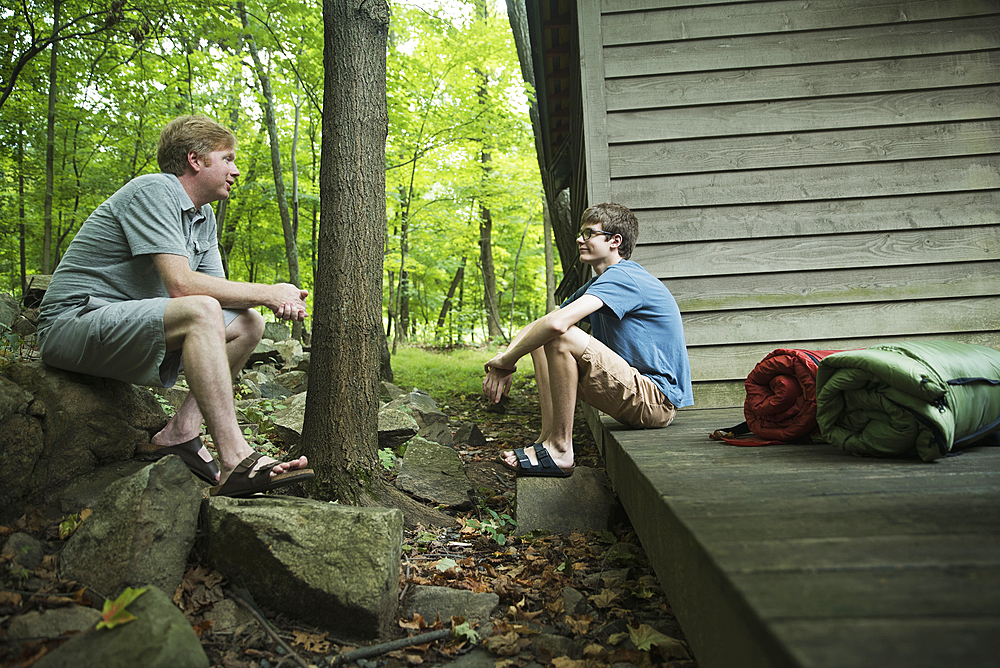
(242, 336)
(213, 354)
(557, 395)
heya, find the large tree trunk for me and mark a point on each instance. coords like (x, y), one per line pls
(50, 144)
(340, 434)
(291, 247)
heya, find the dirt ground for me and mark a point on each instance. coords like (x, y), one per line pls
(578, 601)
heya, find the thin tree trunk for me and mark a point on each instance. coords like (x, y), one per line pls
(490, 301)
(340, 434)
(446, 307)
(20, 207)
(50, 143)
(291, 248)
(550, 274)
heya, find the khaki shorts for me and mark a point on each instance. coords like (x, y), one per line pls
(120, 340)
(609, 384)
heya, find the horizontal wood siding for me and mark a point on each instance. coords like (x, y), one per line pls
(812, 175)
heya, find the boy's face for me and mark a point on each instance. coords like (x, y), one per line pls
(600, 245)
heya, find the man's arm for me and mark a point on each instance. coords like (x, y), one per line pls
(284, 299)
(500, 369)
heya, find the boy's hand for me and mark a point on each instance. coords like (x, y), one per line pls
(497, 382)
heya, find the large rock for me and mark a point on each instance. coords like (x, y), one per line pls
(289, 420)
(432, 423)
(435, 473)
(289, 349)
(264, 353)
(295, 382)
(56, 426)
(159, 637)
(396, 426)
(582, 502)
(8, 312)
(37, 285)
(326, 564)
(141, 531)
(276, 331)
(53, 623)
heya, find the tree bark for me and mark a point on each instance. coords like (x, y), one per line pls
(340, 434)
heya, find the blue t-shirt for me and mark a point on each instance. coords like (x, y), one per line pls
(641, 322)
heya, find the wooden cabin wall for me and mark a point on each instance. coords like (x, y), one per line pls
(819, 175)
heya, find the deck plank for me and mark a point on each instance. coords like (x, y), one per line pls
(803, 555)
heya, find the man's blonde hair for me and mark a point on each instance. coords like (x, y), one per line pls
(190, 133)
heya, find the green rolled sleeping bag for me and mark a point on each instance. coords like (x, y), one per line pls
(928, 398)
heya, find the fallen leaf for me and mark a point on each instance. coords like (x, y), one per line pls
(579, 624)
(645, 636)
(416, 624)
(115, 613)
(313, 642)
(505, 645)
(604, 599)
(446, 564)
(10, 598)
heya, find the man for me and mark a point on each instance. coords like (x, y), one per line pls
(141, 288)
(635, 366)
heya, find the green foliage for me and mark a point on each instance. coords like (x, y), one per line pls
(446, 374)
(454, 94)
(261, 413)
(495, 525)
(387, 458)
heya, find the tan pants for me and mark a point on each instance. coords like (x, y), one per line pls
(609, 384)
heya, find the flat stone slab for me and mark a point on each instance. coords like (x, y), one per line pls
(435, 473)
(445, 603)
(582, 502)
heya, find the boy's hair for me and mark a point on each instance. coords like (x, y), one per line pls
(616, 219)
(190, 133)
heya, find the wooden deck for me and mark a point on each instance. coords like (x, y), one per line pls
(802, 555)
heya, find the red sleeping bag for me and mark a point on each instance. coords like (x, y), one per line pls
(780, 405)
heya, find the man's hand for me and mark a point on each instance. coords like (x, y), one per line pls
(291, 303)
(497, 382)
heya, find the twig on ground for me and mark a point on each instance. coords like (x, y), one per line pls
(270, 631)
(391, 646)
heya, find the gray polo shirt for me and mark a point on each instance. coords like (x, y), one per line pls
(110, 259)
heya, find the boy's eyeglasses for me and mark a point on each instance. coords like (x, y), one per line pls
(587, 233)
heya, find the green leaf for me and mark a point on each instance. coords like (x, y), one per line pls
(464, 630)
(446, 564)
(114, 611)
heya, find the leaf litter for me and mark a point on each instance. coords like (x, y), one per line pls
(578, 601)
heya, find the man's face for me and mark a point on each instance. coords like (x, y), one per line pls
(218, 173)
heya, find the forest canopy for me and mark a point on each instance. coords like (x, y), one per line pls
(86, 86)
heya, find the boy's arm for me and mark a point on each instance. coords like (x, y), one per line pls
(286, 300)
(536, 334)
